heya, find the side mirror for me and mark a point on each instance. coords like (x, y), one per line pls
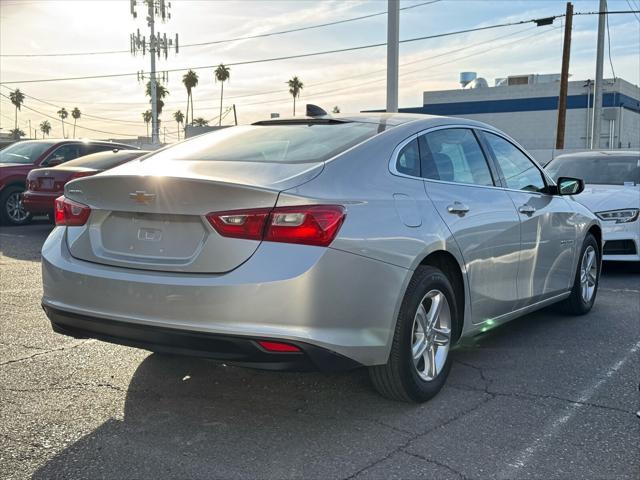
(570, 186)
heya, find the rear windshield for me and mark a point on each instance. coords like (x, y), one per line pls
(602, 170)
(24, 152)
(104, 160)
(298, 143)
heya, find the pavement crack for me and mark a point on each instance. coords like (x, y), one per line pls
(21, 345)
(440, 464)
(410, 440)
(534, 396)
(45, 352)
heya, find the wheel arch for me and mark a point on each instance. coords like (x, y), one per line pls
(596, 231)
(449, 265)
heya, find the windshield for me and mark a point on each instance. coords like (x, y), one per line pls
(23, 152)
(293, 143)
(603, 170)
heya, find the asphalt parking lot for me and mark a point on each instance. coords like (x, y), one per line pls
(546, 396)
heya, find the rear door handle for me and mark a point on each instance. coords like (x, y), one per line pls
(458, 208)
(527, 209)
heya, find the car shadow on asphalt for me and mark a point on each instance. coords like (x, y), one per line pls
(192, 418)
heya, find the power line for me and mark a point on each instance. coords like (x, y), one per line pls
(632, 8)
(327, 92)
(78, 126)
(289, 57)
(279, 91)
(613, 72)
(332, 91)
(228, 40)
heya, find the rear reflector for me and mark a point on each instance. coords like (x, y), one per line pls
(278, 347)
(305, 224)
(69, 213)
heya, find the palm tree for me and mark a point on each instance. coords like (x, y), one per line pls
(222, 74)
(16, 133)
(76, 114)
(179, 118)
(201, 122)
(62, 113)
(295, 86)
(17, 98)
(161, 92)
(146, 116)
(190, 81)
(45, 127)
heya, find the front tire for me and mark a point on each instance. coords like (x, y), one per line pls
(419, 361)
(12, 211)
(586, 280)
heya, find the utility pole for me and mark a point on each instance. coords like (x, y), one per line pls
(235, 115)
(597, 91)
(393, 27)
(30, 134)
(564, 78)
(156, 44)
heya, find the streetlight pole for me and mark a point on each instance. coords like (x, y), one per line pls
(393, 27)
(597, 91)
(154, 90)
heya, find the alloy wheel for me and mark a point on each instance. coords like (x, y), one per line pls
(431, 336)
(15, 209)
(588, 274)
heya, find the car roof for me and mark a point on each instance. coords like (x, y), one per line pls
(391, 119)
(601, 154)
(100, 159)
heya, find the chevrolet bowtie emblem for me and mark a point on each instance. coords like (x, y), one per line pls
(140, 196)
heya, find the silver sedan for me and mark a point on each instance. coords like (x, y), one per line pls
(375, 240)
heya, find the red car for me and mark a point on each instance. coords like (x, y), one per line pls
(18, 159)
(44, 185)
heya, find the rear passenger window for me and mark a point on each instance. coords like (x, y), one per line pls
(454, 155)
(408, 161)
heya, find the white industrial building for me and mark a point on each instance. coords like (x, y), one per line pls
(526, 108)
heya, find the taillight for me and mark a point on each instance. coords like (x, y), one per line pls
(305, 224)
(247, 224)
(69, 213)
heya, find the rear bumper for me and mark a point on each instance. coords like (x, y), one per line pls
(321, 297)
(236, 350)
(39, 202)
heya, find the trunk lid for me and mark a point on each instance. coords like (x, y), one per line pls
(157, 222)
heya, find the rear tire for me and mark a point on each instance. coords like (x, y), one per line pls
(419, 361)
(586, 280)
(12, 211)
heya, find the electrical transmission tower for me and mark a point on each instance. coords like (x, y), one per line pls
(156, 45)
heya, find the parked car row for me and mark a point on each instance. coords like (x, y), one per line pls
(20, 158)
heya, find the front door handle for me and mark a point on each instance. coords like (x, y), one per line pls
(458, 208)
(527, 209)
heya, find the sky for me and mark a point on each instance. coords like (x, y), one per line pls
(352, 80)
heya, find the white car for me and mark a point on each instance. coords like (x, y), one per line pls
(612, 181)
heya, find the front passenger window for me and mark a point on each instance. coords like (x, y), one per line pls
(519, 172)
